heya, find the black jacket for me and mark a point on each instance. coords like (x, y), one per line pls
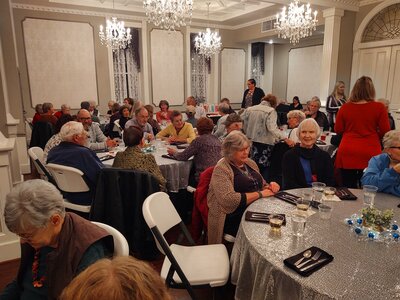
(257, 96)
(293, 173)
(118, 202)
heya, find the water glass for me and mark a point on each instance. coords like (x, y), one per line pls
(318, 189)
(369, 194)
(325, 211)
(298, 224)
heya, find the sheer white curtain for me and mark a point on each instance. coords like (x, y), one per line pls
(127, 75)
(200, 68)
(257, 62)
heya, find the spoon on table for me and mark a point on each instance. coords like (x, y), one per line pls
(306, 254)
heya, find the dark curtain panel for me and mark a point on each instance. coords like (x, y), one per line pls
(257, 50)
(135, 46)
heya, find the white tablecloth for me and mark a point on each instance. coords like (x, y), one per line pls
(175, 172)
(360, 269)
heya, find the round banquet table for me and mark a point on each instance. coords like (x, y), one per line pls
(175, 172)
(360, 269)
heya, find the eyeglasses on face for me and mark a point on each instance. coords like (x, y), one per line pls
(398, 147)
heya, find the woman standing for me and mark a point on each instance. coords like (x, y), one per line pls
(260, 126)
(336, 99)
(363, 122)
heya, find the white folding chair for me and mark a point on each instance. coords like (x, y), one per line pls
(36, 154)
(70, 180)
(121, 247)
(118, 127)
(184, 266)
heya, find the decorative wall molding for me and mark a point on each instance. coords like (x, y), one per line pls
(368, 2)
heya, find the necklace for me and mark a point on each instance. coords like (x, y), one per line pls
(37, 283)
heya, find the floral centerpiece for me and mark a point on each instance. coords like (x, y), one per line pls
(378, 220)
(373, 224)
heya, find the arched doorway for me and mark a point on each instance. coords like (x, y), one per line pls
(376, 51)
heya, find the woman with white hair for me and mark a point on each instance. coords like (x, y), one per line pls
(294, 118)
(384, 169)
(316, 114)
(55, 245)
(306, 163)
(235, 183)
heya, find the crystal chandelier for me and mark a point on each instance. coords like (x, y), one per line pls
(297, 23)
(115, 36)
(168, 14)
(208, 43)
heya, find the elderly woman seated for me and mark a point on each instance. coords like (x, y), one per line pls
(134, 158)
(306, 163)
(384, 169)
(235, 183)
(205, 149)
(177, 132)
(55, 245)
(294, 118)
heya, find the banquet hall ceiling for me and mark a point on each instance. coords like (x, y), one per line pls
(223, 12)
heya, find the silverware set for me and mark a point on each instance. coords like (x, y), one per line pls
(260, 216)
(304, 265)
(341, 193)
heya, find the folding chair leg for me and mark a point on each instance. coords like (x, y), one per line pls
(174, 263)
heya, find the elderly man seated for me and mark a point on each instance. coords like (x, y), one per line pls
(55, 246)
(384, 169)
(224, 110)
(72, 152)
(178, 131)
(140, 120)
(97, 139)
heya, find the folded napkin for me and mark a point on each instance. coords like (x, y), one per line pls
(319, 142)
(324, 259)
(344, 194)
(333, 199)
(290, 198)
(261, 217)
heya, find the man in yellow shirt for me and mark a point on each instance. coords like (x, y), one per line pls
(178, 131)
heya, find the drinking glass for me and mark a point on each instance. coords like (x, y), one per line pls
(369, 194)
(276, 221)
(318, 189)
(325, 211)
(329, 193)
(298, 224)
(303, 205)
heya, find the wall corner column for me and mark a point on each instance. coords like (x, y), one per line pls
(330, 51)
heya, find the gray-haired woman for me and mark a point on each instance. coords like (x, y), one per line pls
(55, 245)
(306, 163)
(384, 169)
(294, 118)
(235, 183)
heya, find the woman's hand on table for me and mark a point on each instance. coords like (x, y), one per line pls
(273, 187)
(171, 151)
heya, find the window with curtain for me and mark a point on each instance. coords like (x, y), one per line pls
(200, 70)
(257, 62)
(126, 63)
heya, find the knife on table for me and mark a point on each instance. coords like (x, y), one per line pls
(320, 261)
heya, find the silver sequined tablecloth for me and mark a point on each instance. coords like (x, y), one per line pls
(360, 269)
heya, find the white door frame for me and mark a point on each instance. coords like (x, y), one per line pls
(357, 45)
